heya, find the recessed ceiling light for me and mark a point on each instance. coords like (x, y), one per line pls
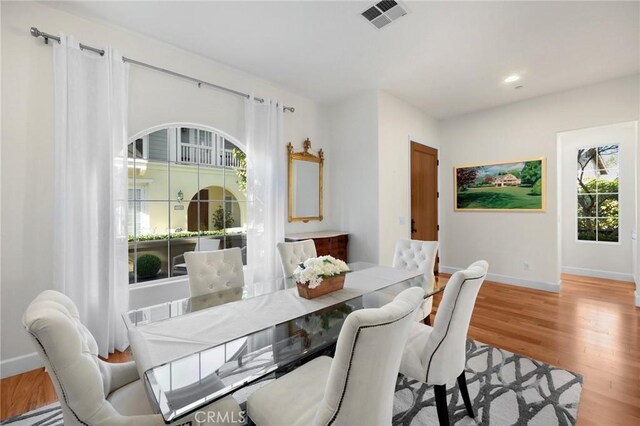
(512, 78)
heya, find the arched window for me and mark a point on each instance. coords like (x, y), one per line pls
(187, 191)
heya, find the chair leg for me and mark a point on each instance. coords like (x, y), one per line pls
(462, 384)
(427, 320)
(441, 404)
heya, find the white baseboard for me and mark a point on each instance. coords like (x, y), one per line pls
(20, 364)
(596, 273)
(637, 298)
(520, 282)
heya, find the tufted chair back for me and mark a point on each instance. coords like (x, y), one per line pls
(414, 255)
(70, 355)
(210, 271)
(293, 254)
(361, 382)
(444, 355)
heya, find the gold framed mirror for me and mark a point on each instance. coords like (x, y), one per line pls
(305, 184)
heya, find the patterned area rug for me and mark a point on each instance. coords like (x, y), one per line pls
(505, 389)
(50, 415)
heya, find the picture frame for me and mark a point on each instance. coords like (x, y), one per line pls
(504, 186)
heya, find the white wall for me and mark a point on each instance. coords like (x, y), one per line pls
(520, 130)
(27, 138)
(605, 260)
(354, 173)
(370, 134)
(398, 124)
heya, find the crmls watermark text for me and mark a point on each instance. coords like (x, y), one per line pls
(213, 417)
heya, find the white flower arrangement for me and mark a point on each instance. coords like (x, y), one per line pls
(312, 271)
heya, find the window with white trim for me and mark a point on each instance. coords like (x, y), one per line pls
(597, 191)
(186, 192)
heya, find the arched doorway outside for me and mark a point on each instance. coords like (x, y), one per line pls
(212, 209)
(198, 212)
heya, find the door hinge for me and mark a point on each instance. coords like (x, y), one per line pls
(437, 227)
(437, 162)
(438, 194)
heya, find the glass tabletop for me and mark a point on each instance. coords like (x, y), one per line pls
(175, 308)
(184, 385)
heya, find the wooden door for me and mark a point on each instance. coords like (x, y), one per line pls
(424, 193)
(196, 207)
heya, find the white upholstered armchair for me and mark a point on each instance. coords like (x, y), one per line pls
(356, 387)
(293, 254)
(211, 271)
(414, 255)
(91, 391)
(437, 355)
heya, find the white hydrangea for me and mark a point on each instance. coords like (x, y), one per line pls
(312, 271)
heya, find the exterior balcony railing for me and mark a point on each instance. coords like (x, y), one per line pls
(206, 155)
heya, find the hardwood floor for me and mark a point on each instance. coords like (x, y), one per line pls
(592, 328)
(24, 392)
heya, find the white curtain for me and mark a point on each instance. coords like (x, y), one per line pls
(266, 180)
(90, 188)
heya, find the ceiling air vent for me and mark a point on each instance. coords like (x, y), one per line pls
(384, 13)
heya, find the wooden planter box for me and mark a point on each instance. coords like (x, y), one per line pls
(328, 285)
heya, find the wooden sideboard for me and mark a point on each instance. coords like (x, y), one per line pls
(332, 243)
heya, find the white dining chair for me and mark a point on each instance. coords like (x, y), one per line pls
(357, 386)
(211, 271)
(437, 355)
(415, 255)
(92, 391)
(293, 254)
(178, 263)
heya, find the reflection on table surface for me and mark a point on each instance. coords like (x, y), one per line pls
(181, 386)
(175, 308)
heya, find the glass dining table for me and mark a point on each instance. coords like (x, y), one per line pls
(201, 375)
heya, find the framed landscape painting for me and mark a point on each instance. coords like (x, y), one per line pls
(507, 186)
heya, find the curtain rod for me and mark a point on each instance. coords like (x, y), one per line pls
(37, 33)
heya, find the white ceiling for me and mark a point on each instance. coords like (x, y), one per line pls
(447, 58)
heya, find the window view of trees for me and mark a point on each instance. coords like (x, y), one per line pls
(598, 193)
(187, 192)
